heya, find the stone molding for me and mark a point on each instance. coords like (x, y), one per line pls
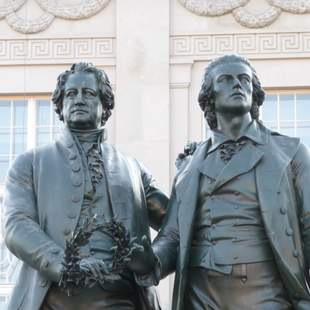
(238, 8)
(59, 50)
(51, 9)
(253, 45)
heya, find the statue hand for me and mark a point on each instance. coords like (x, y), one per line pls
(141, 258)
(96, 267)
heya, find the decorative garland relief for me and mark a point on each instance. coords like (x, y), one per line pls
(51, 9)
(238, 8)
(74, 10)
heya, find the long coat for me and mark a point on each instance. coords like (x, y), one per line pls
(42, 202)
(282, 167)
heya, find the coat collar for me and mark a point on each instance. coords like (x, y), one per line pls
(251, 132)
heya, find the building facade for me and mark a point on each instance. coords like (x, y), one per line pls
(154, 53)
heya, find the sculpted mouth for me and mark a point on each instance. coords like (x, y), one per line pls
(79, 110)
(238, 95)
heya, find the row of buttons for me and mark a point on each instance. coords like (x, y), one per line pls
(76, 179)
(288, 231)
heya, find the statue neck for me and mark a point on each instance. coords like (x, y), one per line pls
(91, 135)
(233, 126)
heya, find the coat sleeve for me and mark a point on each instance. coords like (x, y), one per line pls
(165, 247)
(23, 235)
(301, 171)
(156, 200)
(166, 244)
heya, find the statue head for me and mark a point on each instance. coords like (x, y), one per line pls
(83, 97)
(231, 83)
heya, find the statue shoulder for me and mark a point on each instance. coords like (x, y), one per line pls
(184, 157)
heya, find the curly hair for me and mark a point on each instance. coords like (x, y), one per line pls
(105, 90)
(206, 94)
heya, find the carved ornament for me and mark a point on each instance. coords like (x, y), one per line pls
(66, 9)
(238, 8)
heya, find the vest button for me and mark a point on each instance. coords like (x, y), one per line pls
(214, 242)
(236, 207)
(295, 253)
(237, 193)
(283, 210)
(289, 231)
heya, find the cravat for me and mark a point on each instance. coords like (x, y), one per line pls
(230, 148)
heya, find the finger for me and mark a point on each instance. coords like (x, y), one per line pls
(146, 242)
(133, 240)
(137, 247)
(114, 248)
(94, 271)
(104, 269)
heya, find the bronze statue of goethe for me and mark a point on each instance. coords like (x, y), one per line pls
(52, 191)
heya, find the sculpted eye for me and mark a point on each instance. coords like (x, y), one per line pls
(90, 93)
(223, 78)
(246, 78)
(70, 93)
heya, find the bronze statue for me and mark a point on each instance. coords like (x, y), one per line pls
(237, 232)
(72, 205)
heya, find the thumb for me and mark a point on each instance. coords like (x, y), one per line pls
(146, 242)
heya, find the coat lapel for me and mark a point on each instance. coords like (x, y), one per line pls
(187, 188)
(114, 169)
(242, 162)
(269, 174)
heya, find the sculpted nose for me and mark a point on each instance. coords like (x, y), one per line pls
(236, 83)
(79, 100)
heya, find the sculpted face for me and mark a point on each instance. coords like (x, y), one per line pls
(232, 88)
(82, 108)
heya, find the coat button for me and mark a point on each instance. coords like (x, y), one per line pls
(45, 263)
(77, 182)
(43, 283)
(295, 253)
(72, 216)
(69, 144)
(237, 193)
(76, 199)
(76, 168)
(72, 156)
(67, 231)
(289, 231)
(55, 251)
(283, 210)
